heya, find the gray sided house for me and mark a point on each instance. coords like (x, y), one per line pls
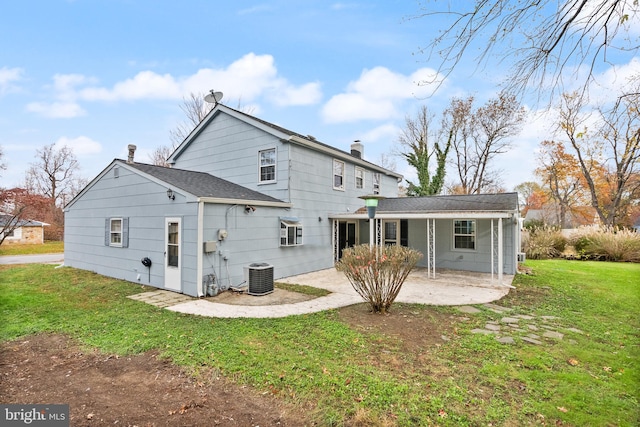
(241, 191)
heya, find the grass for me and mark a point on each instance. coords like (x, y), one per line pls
(302, 289)
(48, 247)
(357, 378)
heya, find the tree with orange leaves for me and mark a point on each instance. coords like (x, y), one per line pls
(608, 154)
(562, 178)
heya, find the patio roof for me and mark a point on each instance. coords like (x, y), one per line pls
(478, 206)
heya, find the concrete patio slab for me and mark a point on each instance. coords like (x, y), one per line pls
(447, 288)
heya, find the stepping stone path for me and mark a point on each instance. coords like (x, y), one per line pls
(512, 329)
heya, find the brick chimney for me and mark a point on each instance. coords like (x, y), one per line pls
(132, 152)
(357, 149)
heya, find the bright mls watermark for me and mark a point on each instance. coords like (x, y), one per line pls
(34, 415)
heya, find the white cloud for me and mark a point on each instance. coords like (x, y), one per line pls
(56, 110)
(8, 76)
(247, 79)
(308, 94)
(377, 95)
(145, 85)
(611, 83)
(81, 146)
(387, 133)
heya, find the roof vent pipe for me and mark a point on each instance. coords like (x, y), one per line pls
(357, 149)
(132, 151)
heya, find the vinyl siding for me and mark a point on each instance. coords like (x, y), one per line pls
(228, 148)
(146, 205)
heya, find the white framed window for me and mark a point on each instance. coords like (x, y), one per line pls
(267, 168)
(338, 175)
(391, 232)
(359, 177)
(464, 234)
(376, 183)
(115, 232)
(290, 233)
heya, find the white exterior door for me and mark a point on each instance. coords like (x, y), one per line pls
(173, 254)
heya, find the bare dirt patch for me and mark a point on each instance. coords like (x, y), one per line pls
(145, 390)
(415, 328)
(141, 390)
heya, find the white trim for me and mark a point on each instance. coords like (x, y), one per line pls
(474, 235)
(430, 215)
(224, 201)
(111, 243)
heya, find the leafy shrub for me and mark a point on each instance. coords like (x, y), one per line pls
(607, 243)
(377, 273)
(544, 243)
(533, 224)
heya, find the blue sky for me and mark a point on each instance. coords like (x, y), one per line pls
(99, 75)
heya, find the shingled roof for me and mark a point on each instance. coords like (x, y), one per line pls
(202, 184)
(451, 203)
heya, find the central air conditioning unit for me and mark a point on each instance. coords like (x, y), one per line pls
(259, 277)
(522, 257)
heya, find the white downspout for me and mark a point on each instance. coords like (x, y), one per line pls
(200, 248)
(500, 251)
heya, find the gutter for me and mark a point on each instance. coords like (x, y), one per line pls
(225, 201)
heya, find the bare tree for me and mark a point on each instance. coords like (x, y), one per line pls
(541, 40)
(54, 175)
(419, 143)
(3, 165)
(480, 136)
(195, 109)
(608, 156)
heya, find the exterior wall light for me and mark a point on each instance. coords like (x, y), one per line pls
(170, 194)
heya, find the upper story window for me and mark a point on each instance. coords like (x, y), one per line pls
(376, 183)
(359, 177)
(267, 170)
(464, 234)
(338, 175)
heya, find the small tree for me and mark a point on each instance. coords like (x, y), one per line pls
(377, 273)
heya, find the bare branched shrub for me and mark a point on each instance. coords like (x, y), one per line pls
(543, 243)
(607, 243)
(377, 273)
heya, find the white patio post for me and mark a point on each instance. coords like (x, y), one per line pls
(500, 251)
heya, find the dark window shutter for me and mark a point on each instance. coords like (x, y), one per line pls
(125, 232)
(107, 231)
(404, 232)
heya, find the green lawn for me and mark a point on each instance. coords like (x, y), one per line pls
(48, 247)
(319, 361)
